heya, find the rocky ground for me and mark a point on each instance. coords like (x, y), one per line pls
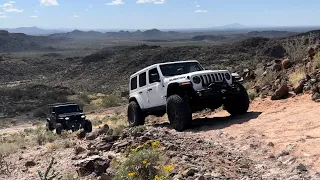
(275, 140)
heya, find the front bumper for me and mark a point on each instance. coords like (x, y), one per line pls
(74, 125)
(221, 90)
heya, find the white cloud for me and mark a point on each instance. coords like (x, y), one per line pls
(75, 16)
(34, 16)
(201, 11)
(3, 16)
(8, 7)
(151, 1)
(115, 2)
(197, 5)
(49, 2)
(36, 11)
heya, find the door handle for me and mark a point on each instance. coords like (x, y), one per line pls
(140, 92)
(149, 89)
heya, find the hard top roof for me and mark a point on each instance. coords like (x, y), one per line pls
(159, 64)
(62, 104)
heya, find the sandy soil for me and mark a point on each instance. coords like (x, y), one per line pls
(292, 124)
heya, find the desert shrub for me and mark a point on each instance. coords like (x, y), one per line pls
(268, 79)
(296, 76)
(316, 61)
(297, 48)
(137, 129)
(52, 147)
(141, 165)
(118, 130)
(68, 144)
(252, 94)
(39, 112)
(110, 101)
(85, 98)
(50, 173)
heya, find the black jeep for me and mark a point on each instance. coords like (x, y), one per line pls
(67, 116)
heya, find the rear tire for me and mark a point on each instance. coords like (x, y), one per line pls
(239, 103)
(179, 112)
(87, 126)
(49, 126)
(135, 115)
(59, 128)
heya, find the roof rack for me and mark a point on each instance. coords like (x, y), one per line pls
(61, 104)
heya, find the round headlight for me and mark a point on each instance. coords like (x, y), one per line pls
(196, 79)
(228, 77)
(67, 118)
(83, 116)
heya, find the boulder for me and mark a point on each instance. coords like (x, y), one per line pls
(94, 164)
(189, 172)
(277, 67)
(311, 52)
(30, 163)
(281, 93)
(79, 150)
(91, 136)
(315, 96)
(103, 130)
(81, 134)
(1, 58)
(286, 63)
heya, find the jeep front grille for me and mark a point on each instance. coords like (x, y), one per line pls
(208, 79)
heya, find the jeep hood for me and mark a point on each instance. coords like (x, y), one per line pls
(184, 77)
(70, 114)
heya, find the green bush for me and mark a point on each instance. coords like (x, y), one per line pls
(39, 112)
(140, 165)
(110, 101)
(85, 98)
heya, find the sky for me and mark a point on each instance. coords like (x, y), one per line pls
(161, 14)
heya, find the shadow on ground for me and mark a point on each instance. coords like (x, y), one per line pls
(216, 123)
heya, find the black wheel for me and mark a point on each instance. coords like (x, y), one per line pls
(87, 126)
(179, 112)
(135, 115)
(59, 128)
(239, 103)
(49, 126)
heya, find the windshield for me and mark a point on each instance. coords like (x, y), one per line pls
(67, 109)
(180, 68)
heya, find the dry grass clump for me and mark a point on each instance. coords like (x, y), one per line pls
(296, 76)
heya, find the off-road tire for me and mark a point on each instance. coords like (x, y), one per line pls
(239, 103)
(135, 116)
(179, 112)
(59, 128)
(49, 126)
(87, 126)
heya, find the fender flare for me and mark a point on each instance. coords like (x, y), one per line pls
(138, 100)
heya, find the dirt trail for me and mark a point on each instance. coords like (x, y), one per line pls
(292, 124)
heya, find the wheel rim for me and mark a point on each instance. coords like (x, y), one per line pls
(131, 115)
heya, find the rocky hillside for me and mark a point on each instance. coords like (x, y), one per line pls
(109, 69)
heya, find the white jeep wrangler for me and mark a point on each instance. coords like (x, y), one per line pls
(180, 89)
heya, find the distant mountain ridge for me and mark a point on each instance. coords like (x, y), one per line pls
(13, 42)
(31, 30)
(152, 33)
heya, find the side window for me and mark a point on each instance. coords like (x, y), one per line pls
(133, 84)
(143, 79)
(154, 76)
